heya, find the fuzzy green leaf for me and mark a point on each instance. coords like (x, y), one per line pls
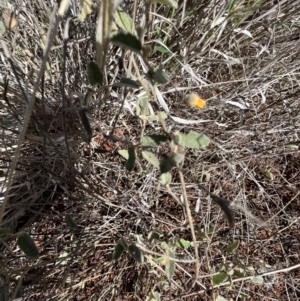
(27, 245)
(119, 249)
(157, 75)
(70, 222)
(168, 162)
(142, 105)
(162, 49)
(238, 274)
(170, 264)
(87, 136)
(250, 268)
(123, 20)
(153, 140)
(153, 296)
(131, 159)
(220, 298)
(127, 41)
(128, 83)
(136, 253)
(224, 204)
(4, 233)
(154, 235)
(124, 153)
(95, 76)
(219, 278)
(257, 279)
(182, 243)
(2, 28)
(62, 259)
(194, 140)
(5, 123)
(233, 246)
(165, 178)
(151, 158)
(124, 243)
(163, 116)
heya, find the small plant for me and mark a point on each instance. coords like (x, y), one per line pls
(123, 124)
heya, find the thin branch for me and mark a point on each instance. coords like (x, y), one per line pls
(189, 215)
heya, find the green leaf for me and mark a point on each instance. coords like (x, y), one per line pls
(151, 158)
(224, 204)
(2, 28)
(123, 20)
(170, 3)
(119, 249)
(153, 140)
(70, 222)
(131, 159)
(170, 264)
(95, 76)
(62, 260)
(27, 245)
(168, 162)
(231, 5)
(124, 243)
(127, 82)
(162, 49)
(19, 293)
(142, 105)
(257, 279)
(238, 274)
(5, 123)
(124, 153)
(87, 136)
(163, 116)
(194, 140)
(250, 268)
(182, 243)
(159, 260)
(219, 278)
(230, 272)
(157, 75)
(220, 298)
(176, 137)
(165, 178)
(136, 253)
(4, 233)
(153, 296)
(127, 41)
(154, 235)
(233, 246)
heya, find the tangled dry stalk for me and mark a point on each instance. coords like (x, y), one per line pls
(242, 57)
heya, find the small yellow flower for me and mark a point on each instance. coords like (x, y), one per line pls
(195, 101)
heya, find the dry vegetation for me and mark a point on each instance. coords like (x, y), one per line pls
(77, 200)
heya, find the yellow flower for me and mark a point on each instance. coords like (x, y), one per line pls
(195, 101)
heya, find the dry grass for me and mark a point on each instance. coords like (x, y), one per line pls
(253, 159)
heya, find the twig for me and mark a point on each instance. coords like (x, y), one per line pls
(189, 215)
(63, 72)
(284, 270)
(163, 255)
